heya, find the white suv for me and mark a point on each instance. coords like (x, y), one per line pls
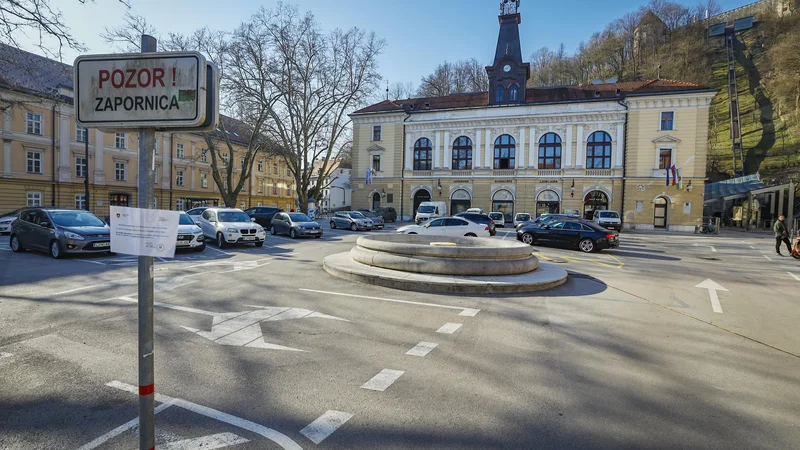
(607, 219)
(231, 226)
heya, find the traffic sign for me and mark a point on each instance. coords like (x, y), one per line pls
(161, 90)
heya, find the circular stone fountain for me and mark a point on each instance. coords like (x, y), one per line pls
(445, 264)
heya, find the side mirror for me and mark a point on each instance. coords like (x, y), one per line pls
(45, 224)
(252, 219)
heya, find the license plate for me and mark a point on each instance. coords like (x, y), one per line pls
(184, 242)
(314, 231)
(249, 238)
(102, 244)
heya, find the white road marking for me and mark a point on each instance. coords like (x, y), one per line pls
(4, 355)
(168, 306)
(318, 430)
(90, 261)
(422, 349)
(712, 288)
(768, 258)
(713, 249)
(124, 427)
(449, 328)
(752, 247)
(470, 312)
(383, 380)
(205, 443)
(794, 276)
(218, 250)
(279, 438)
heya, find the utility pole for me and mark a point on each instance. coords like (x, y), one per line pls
(86, 170)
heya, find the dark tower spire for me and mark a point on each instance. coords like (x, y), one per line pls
(509, 74)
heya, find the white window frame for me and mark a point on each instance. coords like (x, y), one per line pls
(34, 198)
(121, 140)
(204, 155)
(260, 165)
(225, 157)
(380, 161)
(155, 145)
(288, 190)
(664, 146)
(180, 151)
(81, 131)
(33, 123)
(204, 180)
(380, 133)
(275, 168)
(179, 204)
(123, 169)
(40, 160)
(180, 177)
(260, 186)
(661, 120)
(78, 165)
(80, 201)
(243, 161)
(274, 188)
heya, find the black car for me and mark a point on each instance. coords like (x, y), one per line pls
(480, 218)
(546, 219)
(388, 214)
(584, 236)
(263, 215)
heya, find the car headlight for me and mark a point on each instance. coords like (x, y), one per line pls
(73, 236)
(231, 230)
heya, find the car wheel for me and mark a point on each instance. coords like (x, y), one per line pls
(586, 246)
(527, 238)
(200, 249)
(292, 234)
(273, 231)
(470, 235)
(221, 241)
(794, 255)
(16, 245)
(55, 250)
(353, 227)
(412, 233)
(317, 237)
(259, 244)
(333, 225)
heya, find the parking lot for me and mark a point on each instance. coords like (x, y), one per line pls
(259, 348)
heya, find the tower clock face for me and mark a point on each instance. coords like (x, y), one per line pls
(507, 68)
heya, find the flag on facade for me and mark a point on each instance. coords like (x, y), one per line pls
(369, 176)
(680, 179)
(674, 175)
(668, 169)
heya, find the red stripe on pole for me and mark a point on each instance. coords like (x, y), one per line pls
(147, 390)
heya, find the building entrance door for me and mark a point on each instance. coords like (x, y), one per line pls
(660, 216)
(376, 201)
(420, 196)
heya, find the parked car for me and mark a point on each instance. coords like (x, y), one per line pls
(377, 221)
(263, 215)
(60, 232)
(190, 235)
(197, 213)
(430, 210)
(547, 218)
(448, 226)
(607, 219)
(520, 218)
(388, 214)
(479, 218)
(353, 220)
(295, 225)
(474, 211)
(498, 218)
(584, 236)
(230, 226)
(6, 219)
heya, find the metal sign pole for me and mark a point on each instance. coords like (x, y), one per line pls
(146, 365)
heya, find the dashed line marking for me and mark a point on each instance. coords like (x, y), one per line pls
(449, 328)
(422, 349)
(768, 258)
(383, 380)
(319, 430)
(794, 276)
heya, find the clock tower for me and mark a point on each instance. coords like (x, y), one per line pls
(508, 75)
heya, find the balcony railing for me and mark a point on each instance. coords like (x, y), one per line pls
(462, 173)
(504, 173)
(422, 173)
(550, 172)
(599, 172)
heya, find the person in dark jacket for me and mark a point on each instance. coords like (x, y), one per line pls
(781, 236)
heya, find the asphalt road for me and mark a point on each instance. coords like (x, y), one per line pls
(261, 349)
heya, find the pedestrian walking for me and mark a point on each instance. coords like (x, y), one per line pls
(781, 236)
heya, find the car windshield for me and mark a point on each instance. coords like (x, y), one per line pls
(609, 215)
(233, 216)
(76, 219)
(357, 215)
(523, 217)
(300, 218)
(426, 209)
(186, 220)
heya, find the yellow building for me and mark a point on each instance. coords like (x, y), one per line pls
(43, 159)
(565, 149)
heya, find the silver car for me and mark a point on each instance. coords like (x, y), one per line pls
(295, 225)
(231, 226)
(353, 220)
(60, 232)
(190, 235)
(6, 219)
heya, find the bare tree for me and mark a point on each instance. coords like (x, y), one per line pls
(399, 91)
(455, 78)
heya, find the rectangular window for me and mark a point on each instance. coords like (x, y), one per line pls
(34, 199)
(665, 158)
(667, 121)
(260, 165)
(376, 163)
(204, 180)
(260, 186)
(244, 161)
(80, 201)
(274, 189)
(204, 156)
(120, 169)
(275, 168)
(121, 140)
(81, 134)
(288, 190)
(179, 204)
(180, 151)
(80, 167)
(34, 162)
(376, 133)
(179, 177)
(33, 123)
(389, 198)
(225, 157)
(155, 174)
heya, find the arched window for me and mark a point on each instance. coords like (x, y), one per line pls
(505, 152)
(550, 151)
(501, 94)
(598, 151)
(513, 93)
(462, 153)
(422, 154)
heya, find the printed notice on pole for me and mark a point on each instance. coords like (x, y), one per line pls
(144, 232)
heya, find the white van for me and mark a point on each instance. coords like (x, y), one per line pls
(607, 219)
(430, 210)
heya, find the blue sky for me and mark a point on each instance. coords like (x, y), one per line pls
(420, 34)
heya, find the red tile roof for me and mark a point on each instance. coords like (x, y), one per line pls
(539, 95)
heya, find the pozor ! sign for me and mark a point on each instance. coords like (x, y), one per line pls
(160, 90)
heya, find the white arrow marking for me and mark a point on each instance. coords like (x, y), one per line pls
(713, 249)
(713, 287)
(205, 443)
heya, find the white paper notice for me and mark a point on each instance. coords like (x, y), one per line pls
(144, 232)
